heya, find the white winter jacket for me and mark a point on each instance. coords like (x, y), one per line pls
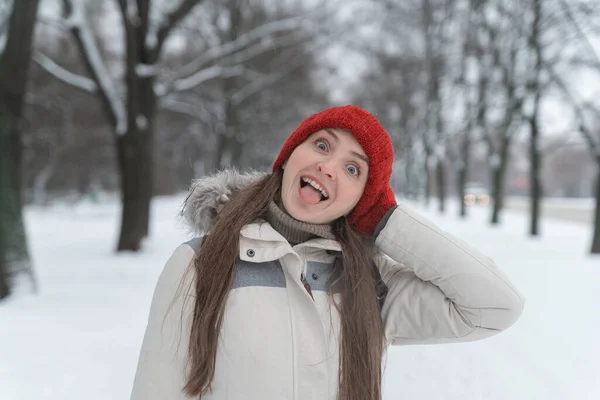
(278, 343)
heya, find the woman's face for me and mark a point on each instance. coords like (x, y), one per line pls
(325, 177)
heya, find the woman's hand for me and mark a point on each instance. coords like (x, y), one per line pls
(374, 219)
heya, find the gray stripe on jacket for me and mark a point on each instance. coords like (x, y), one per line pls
(270, 274)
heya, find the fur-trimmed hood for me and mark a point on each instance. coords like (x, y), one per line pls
(209, 194)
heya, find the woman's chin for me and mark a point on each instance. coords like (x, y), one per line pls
(300, 215)
(310, 218)
(308, 213)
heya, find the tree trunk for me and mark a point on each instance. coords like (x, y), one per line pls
(230, 149)
(220, 148)
(462, 182)
(535, 189)
(148, 155)
(10, 217)
(496, 195)
(133, 151)
(229, 152)
(14, 65)
(427, 178)
(232, 146)
(534, 85)
(463, 171)
(135, 148)
(441, 185)
(4, 276)
(596, 239)
(409, 183)
(498, 174)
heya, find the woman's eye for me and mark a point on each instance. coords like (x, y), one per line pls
(321, 145)
(353, 169)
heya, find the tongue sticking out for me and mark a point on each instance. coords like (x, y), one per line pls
(310, 195)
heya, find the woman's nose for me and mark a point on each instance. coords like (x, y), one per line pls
(327, 169)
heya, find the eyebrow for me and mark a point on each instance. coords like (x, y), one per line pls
(354, 153)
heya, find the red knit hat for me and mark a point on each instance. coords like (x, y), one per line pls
(378, 196)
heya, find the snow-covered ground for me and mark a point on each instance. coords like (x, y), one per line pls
(79, 337)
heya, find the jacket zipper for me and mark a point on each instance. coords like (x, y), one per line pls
(303, 276)
(306, 286)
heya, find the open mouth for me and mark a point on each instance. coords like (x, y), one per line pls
(311, 191)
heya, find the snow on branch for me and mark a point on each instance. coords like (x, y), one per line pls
(132, 10)
(81, 29)
(80, 82)
(200, 77)
(258, 85)
(193, 110)
(5, 13)
(268, 44)
(580, 31)
(244, 40)
(146, 70)
(3, 40)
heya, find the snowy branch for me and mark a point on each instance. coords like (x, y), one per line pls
(80, 82)
(146, 70)
(580, 32)
(258, 85)
(80, 27)
(200, 77)
(268, 44)
(3, 40)
(240, 43)
(5, 13)
(132, 10)
(196, 111)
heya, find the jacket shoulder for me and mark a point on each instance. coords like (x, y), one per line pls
(195, 243)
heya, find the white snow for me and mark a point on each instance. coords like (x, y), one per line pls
(146, 70)
(80, 336)
(141, 122)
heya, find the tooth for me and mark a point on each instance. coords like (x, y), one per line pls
(315, 185)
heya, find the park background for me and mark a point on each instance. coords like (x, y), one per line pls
(109, 109)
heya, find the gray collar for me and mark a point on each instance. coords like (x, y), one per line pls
(295, 231)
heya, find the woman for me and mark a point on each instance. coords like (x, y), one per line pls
(306, 274)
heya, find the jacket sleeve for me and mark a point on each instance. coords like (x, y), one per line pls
(161, 369)
(441, 290)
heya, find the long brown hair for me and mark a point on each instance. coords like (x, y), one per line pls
(362, 336)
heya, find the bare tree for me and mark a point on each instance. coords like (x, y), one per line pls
(505, 92)
(591, 135)
(532, 115)
(14, 64)
(470, 64)
(434, 19)
(289, 52)
(146, 31)
(587, 114)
